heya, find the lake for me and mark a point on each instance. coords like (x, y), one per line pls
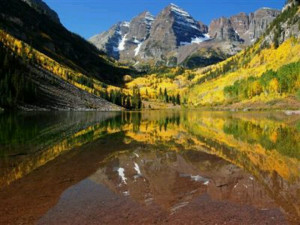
(156, 167)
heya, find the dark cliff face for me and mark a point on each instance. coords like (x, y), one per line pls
(43, 8)
(185, 27)
(203, 27)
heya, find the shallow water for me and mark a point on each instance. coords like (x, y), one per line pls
(159, 167)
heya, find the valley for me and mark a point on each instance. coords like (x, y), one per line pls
(180, 113)
(244, 62)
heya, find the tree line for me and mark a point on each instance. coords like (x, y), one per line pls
(165, 97)
(131, 102)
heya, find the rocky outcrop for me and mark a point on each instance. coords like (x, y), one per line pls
(285, 26)
(139, 31)
(203, 27)
(221, 29)
(172, 28)
(240, 23)
(43, 8)
(113, 40)
(242, 27)
(259, 22)
(124, 39)
(139, 28)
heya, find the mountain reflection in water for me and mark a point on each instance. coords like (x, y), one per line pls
(166, 167)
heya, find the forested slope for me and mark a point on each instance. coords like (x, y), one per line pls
(38, 30)
(267, 71)
(44, 66)
(30, 80)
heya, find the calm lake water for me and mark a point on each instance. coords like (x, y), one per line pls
(159, 167)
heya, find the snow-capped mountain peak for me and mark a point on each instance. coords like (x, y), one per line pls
(176, 9)
(149, 17)
(125, 24)
(183, 18)
(174, 35)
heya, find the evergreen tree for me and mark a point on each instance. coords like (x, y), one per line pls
(160, 93)
(128, 103)
(166, 97)
(178, 99)
(136, 98)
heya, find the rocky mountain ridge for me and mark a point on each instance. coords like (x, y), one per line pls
(174, 37)
(43, 8)
(242, 27)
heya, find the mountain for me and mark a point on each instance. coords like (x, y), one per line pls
(57, 69)
(111, 41)
(242, 27)
(265, 75)
(174, 38)
(228, 37)
(43, 8)
(172, 28)
(124, 39)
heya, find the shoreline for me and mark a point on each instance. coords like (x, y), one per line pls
(288, 105)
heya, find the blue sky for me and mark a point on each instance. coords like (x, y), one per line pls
(89, 17)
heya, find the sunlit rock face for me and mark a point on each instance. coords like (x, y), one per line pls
(151, 39)
(113, 40)
(242, 27)
(172, 28)
(124, 39)
(174, 38)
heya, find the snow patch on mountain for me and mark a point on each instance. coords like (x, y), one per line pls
(136, 41)
(138, 48)
(197, 40)
(189, 24)
(183, 17)
(122, 43)
(149, 18)
(126, 24)
(176, 9)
